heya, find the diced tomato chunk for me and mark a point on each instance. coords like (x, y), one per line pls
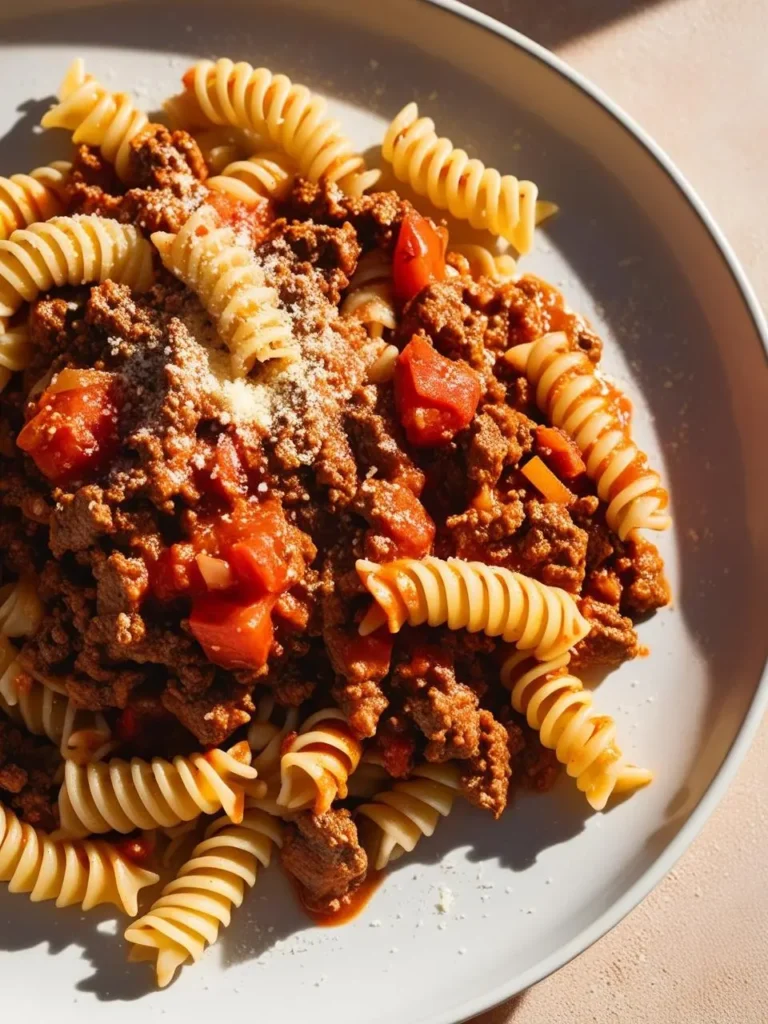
(224, 475)
(258, 564)
(400, 516)
(73, 434)
(176, 574)
(419, 256)
(560, 453)
(435, 397)
(137, 849)
(233, 634)
(251, 219)
(359, 657)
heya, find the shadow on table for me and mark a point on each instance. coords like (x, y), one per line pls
(559, 21)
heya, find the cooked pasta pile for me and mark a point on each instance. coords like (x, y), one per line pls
(313, 517)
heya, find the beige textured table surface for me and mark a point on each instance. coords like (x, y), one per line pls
(694, 73)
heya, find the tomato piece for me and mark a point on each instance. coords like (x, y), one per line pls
(258, 563)
(560, 453)
(399, 515)
(359, 657)
(127, 726)
(137, 849)
(250, 219)
(224, 475)
(73, 434)
(419, 256)
(176, 574)
(233, 634)
(435, 397)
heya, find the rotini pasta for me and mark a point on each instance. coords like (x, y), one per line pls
(452, 181)
(231, 286)
(571, 394)
(484, 263)
(398, 817)
(382, 369)
(83, 872)
(81, 736)
(315, 767)
(369, 778)
(265, 737)
(263, 176)
(97, 117)
(15, 350)
(21, 610)
(71, 250)
(121, 796)
(369, 297)
(198, 902)
(27, 198)
(288, 116)
(556, 704)
(471, 595)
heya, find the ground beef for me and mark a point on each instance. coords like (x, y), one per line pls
(378, 441)
(121, 582)
(485, 776)
(487, 535)
(376, 216)
(500, 437)
(324, 855)
(641, 571)
(79, 520)
(213, 717)
(445, 710)
(159, 158)
(611, 639)
(533, 765)
(332, 251)
(28, 767)
(552, 548)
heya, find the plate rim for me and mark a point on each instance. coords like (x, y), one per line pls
(717, 788)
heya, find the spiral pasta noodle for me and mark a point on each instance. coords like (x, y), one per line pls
(471, 595)
(81, 872)
(231, 286)
(198, 902)
(571, 394)
(15, 350)
(556, 704)
(288, 116)
(71, 251)
(398, 817)
(369, 778)
(316, 765)
(484, 263)
(452, 181)
(21, 610)
(80, 735)
(97, 117)
(122, 796)
(27, 198)
(265, 736)
(263, 176)
(370, 298)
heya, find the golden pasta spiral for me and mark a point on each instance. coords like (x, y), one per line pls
(71, 251)
(572, 396)
(452, 181)
(81, 736)
(21, 610)
(369, 297)
(124, 795)
(97, 117)
(84, 872)
(369, 778)
(199, 901)
(265, 736)
(288, 116)
(27, 198)
(15, 350)
(315, 767)
(231, 286)
(484, 263)
(398, 817)
(263, 176)
(471, 595)
(556, 704)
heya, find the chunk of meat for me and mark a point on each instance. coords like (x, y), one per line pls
(500, 437)
(445, 710)
(121, 582)
(213, 717)
(160, 158)
(611, 639)
(486, 535)
(553, 548)
(324, 854)
(28, 768)
(485, 775)
(641, 571)
(79, 520)
(533, 764)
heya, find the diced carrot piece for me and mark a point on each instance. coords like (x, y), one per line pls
(545, 481)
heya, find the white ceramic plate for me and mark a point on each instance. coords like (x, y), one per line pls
(634, 249)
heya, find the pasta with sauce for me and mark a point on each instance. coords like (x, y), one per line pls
(287, 473)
